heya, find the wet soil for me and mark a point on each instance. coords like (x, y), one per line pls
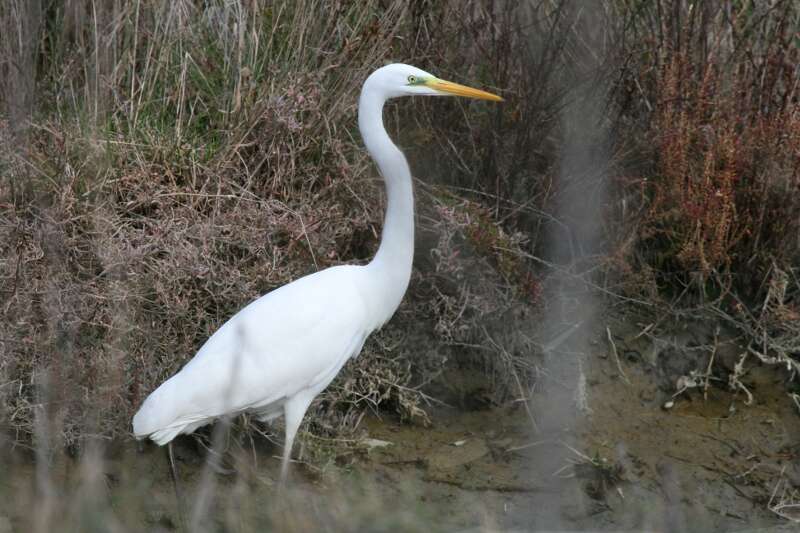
(602, 442)
(709, 462)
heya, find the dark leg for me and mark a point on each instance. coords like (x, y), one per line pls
(174, 474)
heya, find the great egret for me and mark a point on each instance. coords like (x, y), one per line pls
(274, 356)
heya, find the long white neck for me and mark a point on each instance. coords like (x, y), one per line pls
(389, 272)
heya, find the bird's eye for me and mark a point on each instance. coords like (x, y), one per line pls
(412, 79)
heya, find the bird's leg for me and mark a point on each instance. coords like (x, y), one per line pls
(174, 474)
(294, 410)
(215, 455)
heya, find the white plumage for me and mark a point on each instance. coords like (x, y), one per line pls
(274, 356)
(270, 351)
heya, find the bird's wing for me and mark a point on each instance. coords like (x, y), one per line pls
(292, 339)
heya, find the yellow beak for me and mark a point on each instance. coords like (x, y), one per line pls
(461, 90)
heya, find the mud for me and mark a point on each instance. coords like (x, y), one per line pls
(709, 463)
(615, 458)
(626, 451)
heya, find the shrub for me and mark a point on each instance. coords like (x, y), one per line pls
(720, 87)
(168, 162)
(164, 163)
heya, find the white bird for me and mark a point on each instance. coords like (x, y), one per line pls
(278, 353)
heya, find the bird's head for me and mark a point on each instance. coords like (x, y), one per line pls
(404, 80)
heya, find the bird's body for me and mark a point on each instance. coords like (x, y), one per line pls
(270, 351)
(278, 353)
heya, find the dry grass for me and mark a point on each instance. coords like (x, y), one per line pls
(709, 213)
(716, 90)
(169, 163)
(182, 161)
(164, 163)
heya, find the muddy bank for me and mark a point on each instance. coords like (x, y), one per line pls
(624, 453)
(709, 462)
